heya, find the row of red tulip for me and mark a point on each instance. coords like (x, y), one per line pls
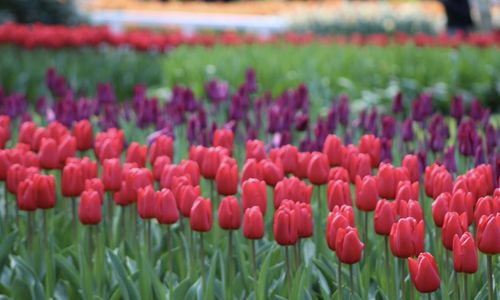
(457, 204)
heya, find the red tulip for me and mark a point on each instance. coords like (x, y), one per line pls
(201, 215)
(271, 172)
(488, 234)
(406, 191)
(160, 162)
(410, 163)
(254, 193)
(26, 132)
(89, 168)
(211, 161)
(57, 130)
(250, 170)
(5, 123)
(89, 211)
(26, 195)
(166, 208)
(289, 157)
(253, 223)
(107, 148)
(95, 184)
(15, 175)
(186, 196)
(424, 273)
(359, 166)
(430, 171)
(303, 159)
(292, 189)
(366, 193)
(73, 182)
(318, 169)
(348, 247)
(168, 173)
(255, 149)
(387, 180)
(4, 137)
(45, 190)
(138, 178)
(304, 219)
(410, 209)
(285, 226)
(332, 148)
(338, 173)
(146, 202)
(125, 196)
(385, 217)
(463, 202)
(191, 169)
(347, 211)
(226, 179)
(334, 222)
(440, 207)
(486, 206)
(224, 138)
(338, 193)
(39, 134)
(31, 159)
(229, 213)
(196, 153)
(111, 174)
(48, 156)
(407, 238)
(84, 135)
(464, 253)
(137, 154)
(66, 148)
(369, 144)
(162, 146)
(453, 224)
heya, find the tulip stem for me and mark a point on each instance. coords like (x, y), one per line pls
(148, 237)
(465, 286)
(429, 297)
(297, 254)
(339, 279)
(387, 268)
(366, 231)
(351, 280)
(490, 277)
(6, 207)
(202, 261)
(457, 286)
(169, 256)
(401, 274)
(110, 218)
(230, 264)
(73, 209)
(288, 272)
(30, 231)
(254, 263)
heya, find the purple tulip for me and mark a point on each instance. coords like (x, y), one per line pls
(407, 131)
(302, 122)
(386, 150)
(105, 94)
(479, 156)
(492, 138)
(457, 108)
(388, 127)
(476, 110)
(371, 122)
(250, 81)
(466, 138)
(450, 161)
(397, 103)
(343, 110)
(217, 90)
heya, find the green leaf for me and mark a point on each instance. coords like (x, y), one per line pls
(36, 287)
(67, 270)
(209, 291)
(6, 247)
(262, 281)
(128, 287)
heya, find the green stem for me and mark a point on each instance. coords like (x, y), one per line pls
(148, 237)
(230, 264)
(429, 297)
(192, 247)
(288, 271)
(30, 232)
(457, 286)
(466, 294)
(202, 262)
(75, 224)
(339, 279)
(297, 254)
(6, 205)
(366, 231)
(490, 277)
(254, 267)
(109, 231)
(387, 267)
(351, 280)
(402, 278)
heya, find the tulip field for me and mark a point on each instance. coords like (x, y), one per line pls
(202, 175)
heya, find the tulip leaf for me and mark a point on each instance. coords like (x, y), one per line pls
(209, 289)
(36, 288)
(128, 288)
(69, 272)
(181, 289)
(262, 279)
(6, 247)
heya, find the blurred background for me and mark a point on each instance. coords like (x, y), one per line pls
(263, 17)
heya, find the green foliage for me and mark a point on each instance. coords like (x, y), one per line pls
(44, 11)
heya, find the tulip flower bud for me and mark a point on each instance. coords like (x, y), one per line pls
(464, 253)
(253, 223)
(66, 148)
(366, 193)
(146, 202)
(48, 154)
(348, 247)
(304, 219)
(332, 148)
(424, 273)
(201, 215)
(162, 146)
(454, 224)
(339, 194)
(385, 216)
(303, 159)
(488, 234)
(285, 226)
(369, 144)
(166, 207)
(73, 182)
(26, 195)
(90, 208)
(255, 149)
(254, 193)
(229, 213)
(407, 237)
(84, 135)
(190, 168)
(224, 138)
(45, 190)
(226, 179)
(318, 169)
(137, 154)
